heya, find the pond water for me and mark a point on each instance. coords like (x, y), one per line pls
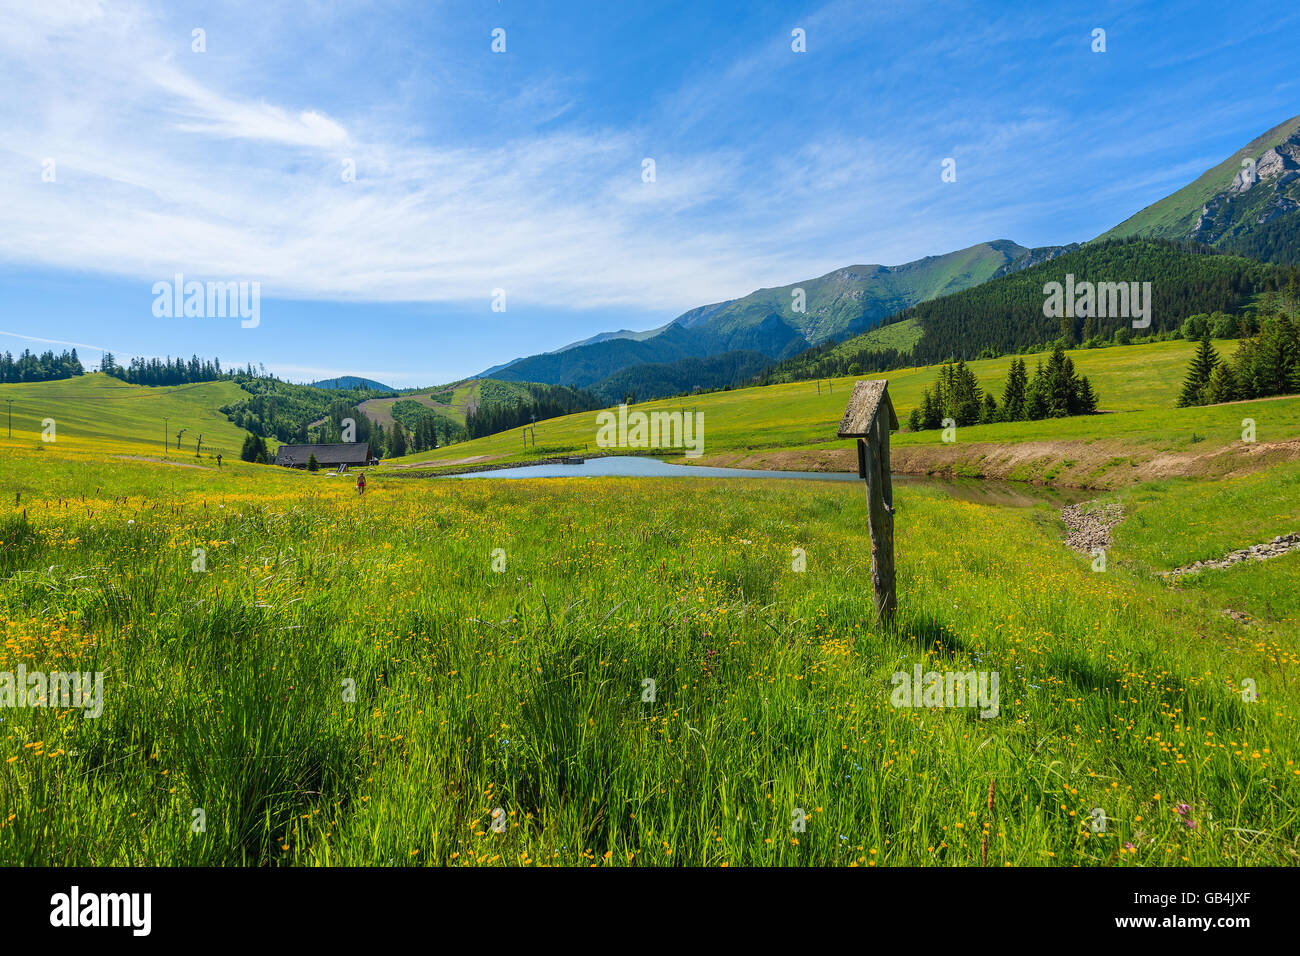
(981, 490)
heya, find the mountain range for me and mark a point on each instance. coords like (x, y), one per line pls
(774, 323)
(1249, 205)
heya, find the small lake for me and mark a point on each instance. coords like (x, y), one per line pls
(1016, 494)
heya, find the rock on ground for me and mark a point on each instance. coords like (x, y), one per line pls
(1256, 552)
(1090, 529)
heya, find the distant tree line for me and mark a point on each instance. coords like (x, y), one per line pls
(423, 437)
(1007, 314)
(49, 366)
(685, 376)
(169, 371)
(46, 367)
(1055, 391)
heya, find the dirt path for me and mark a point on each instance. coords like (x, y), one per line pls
(471, 399)
(1102, 464)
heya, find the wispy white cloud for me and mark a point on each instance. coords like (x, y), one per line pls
(207, 113)
(158, 170)
(171, 161)
(44, 341)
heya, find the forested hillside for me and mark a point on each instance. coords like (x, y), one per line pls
(1007, 314)
(664, 379)
(503, 407)
(286, 412)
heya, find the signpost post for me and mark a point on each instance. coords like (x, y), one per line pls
(870, 418)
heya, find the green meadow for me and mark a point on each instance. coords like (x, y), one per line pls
(1138, 386)
(617, 671)
(626, 672)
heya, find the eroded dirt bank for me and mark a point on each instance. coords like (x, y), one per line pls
(1080, 464)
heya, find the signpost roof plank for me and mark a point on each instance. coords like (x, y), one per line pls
(864, 404)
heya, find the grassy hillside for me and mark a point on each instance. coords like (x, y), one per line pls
(104, 410)
(1139, 435)
(861, 295)
(884, 347)
(1175, 216)
(350, 681)
(793, 425)
(449, 402)
(900, 336)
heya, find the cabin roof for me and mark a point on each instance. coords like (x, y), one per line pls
(340, 453)
(864, 404)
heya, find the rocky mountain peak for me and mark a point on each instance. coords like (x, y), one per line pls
(1281, 160)
(1259, 193)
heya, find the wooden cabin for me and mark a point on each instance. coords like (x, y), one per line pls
(350, 453)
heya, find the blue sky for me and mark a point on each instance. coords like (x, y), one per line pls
(522, 170)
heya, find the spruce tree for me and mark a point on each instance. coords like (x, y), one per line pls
(1197, 383)
(989, 409)
(1223, 385)
(1036, 396)
(397, 440)
(1013, 394)
(1087, 397)
(931, 413)
(965, 402)
(1059, 393)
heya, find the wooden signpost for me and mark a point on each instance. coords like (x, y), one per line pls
(870, 418)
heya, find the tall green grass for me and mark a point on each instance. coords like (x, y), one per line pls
(524, 690)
